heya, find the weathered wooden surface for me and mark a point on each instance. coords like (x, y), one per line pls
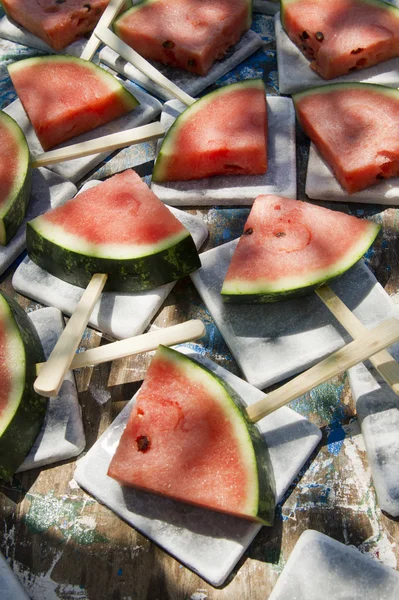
(64, 545)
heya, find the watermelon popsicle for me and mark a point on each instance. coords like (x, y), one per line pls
(189, 437)
(118, 232)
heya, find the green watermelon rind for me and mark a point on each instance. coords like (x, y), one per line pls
(108, 79)
(244, 292)
(139, 6)
(24, 425)
(378, 3)
(169, 142)
(14, 208)
(336, 87)
(125, 275)
(262, 505)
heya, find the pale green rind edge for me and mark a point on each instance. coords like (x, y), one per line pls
(169, 142)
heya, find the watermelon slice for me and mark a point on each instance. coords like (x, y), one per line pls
(56, 22)
(15, 177)
(190, 34)
(65, 96)
(118, 227)
(223, 133)
(341, 36)
(355, 127)
(189, 438)
(289, 248)
(21, 410)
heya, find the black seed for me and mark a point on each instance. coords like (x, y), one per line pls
(319, 36)
(303, 47)
(379, 176)
(280, 234)
(87, 6)
(168, 44)
(143, 443)
(192, 62)
(357, 51)
(305, 35)
(60, 1)
(248, 231)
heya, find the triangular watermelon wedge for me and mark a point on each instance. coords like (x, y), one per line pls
(15, 177)
(290, 247)
(341, 36)
(22, 411)
(355, 127)
(65, 96)
(189, 438)
(119, 228)
(222, 133)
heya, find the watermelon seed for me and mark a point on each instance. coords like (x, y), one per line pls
(379, 176)
(60, 1)
(357, 51)
(280, 234)
(248, 231)
(304, 35)
(319, 36)
(192, 62)
(143, 443)
(168, 44)
(87, 6)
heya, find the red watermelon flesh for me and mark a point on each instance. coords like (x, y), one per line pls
(190, 34)
(355, 128)
(340, 36)
(10, 163)
(223, 133)
(289, 247)
(185, 439)
(56, 22)
(65, 96)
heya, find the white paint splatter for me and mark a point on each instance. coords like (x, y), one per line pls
(199, 595)
(101, 396)
(73, 485)
(88, 522)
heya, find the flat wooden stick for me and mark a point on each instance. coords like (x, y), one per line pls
(101, 144)
(131, 56)
(384, 362)
(53, 373)
(175, 334)
(106, 19)
(376, 339)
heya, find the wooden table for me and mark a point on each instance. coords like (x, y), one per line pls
(64, 545)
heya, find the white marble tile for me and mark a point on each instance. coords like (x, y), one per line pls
(321, 184)
(321, 567)
(48, 191)
(75, 169)
(62, 435)
(207, 542)
(10, 587)
(271, 342)
(280, 177)
(377, 408)
(190, 82)
(120, 315)
(295, 75)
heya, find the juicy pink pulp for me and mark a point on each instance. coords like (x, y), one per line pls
(340, 36)
(121, 210)
(179, 443)
(9, 162)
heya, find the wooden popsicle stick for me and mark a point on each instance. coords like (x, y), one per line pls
(53, 373)
(131, 56)
(106, 19)
(384, 363)
(169, 336)
(101, 144)
(360, 349)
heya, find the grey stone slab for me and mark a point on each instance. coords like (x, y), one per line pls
(119, 315)
(267, 7)
(190, 82)
(207, 542)
(75, 169)
(320, 567)
(295, 75)
(378, 411)
(10, 587)
(13, 31)
(280, 177)
(271, 342)
(321, 184)
(62, 435)
(48, 191)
